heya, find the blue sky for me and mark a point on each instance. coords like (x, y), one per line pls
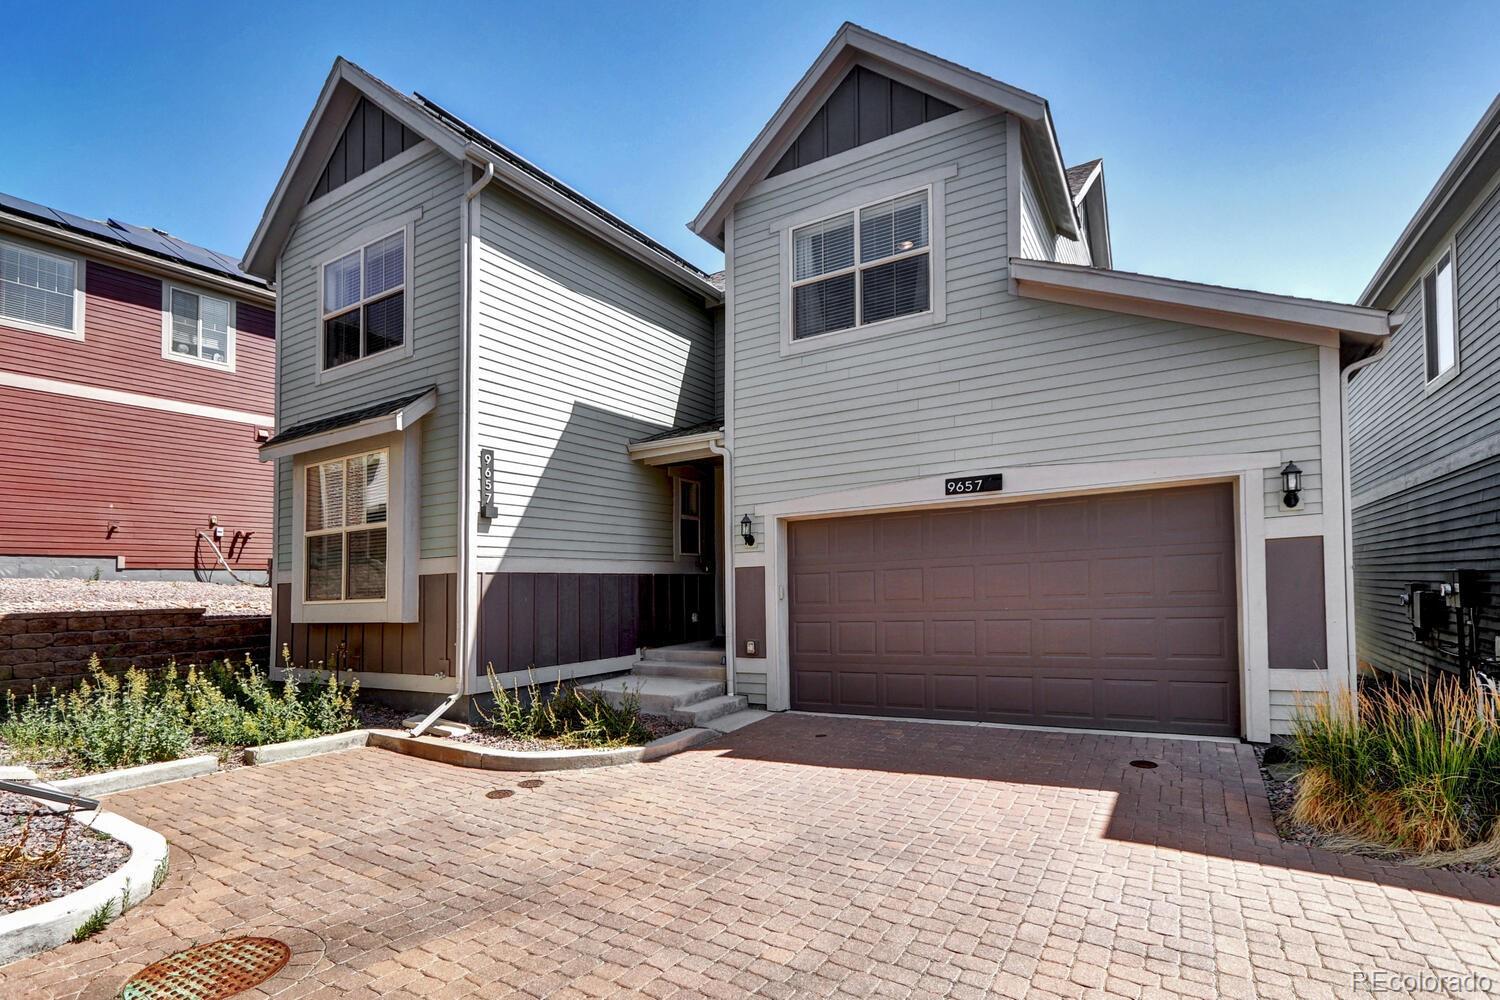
(1275, 146)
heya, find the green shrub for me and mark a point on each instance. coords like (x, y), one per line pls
(1412, 768)
(109, 722)
(569, 714)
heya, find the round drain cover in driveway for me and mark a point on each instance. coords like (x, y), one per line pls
(213, 971)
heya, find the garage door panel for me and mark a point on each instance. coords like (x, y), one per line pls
(1114, 611)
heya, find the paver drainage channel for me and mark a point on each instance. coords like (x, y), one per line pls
(212, 971)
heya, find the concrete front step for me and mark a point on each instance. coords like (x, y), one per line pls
(737, 720)
(656, 695)
(685, 654)
(703, 713)
(672, 668)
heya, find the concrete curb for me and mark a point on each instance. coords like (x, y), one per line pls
(446, 751)
(52, 923)
(272, 753)
(93, 785)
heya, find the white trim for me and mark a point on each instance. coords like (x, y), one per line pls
(542, 564)
(512, 679)
(390, 423)
(372, 679)
(35, 383)
(688, 448)
(436, 565)
(1315, 314)
(403, 533)
(406, 225)
(1303, 679)
(1293, 525)
(1432, 383)
(933, 183)
(80, 296)
(372, 176)
(1014, 154)
(343, 528)
(227, 365)
(1334, 494)
(1025, 483)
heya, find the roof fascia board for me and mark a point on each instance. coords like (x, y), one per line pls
(1439, 212)
(685, 448)
(389, 423)
(1224, 305)
(847, 46)
(1089, 182)
(316, 142)
(84, 244)
(514, 177)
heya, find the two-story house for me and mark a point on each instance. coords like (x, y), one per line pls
(1424, 431)
(135, 387)
(924, 455)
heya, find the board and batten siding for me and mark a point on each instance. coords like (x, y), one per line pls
(580, 351)
(1425, 466)
(434, 184)
(1004, 381)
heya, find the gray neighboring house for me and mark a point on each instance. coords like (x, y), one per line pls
(918, 452)
(1424, 431)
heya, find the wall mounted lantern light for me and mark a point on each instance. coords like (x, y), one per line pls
(1291, 484)
(745, 525)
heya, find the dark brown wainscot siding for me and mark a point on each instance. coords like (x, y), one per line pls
(549, 619)
(424, 647)
(1295, 614)
(750, 609)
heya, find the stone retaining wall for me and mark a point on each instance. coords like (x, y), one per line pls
(46, 649)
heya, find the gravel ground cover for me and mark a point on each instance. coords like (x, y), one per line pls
(86, 857)
(657, 725)
(37, 595)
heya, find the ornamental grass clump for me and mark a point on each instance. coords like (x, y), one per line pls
(1412, 768)
(570, 715)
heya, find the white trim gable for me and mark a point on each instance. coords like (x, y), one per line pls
(853, 45)
(345, 85)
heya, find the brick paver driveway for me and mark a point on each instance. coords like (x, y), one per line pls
(802, 856)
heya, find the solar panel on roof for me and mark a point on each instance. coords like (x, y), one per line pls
(30, 208)
(89, 226)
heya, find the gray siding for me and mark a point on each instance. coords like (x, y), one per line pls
(1396, 426)
(580, 351)
(1417, 536)
(1425, 466)
(433, 183)
(1004, 381)
(1037, 235)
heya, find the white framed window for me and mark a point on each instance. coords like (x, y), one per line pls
(689, 514)
(366, 308)
(41, 291)
(1440, 319)
(345, 526)
(197, 328)
(863, 267)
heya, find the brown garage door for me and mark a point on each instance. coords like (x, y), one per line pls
(1112, 612)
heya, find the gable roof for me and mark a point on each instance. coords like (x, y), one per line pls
(1081, 178)
(1467, 174)
(852, 45)
(347, 83)
(138, 239)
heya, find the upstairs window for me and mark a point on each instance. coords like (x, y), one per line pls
(862, 267)
(345, 525)
(199, 328)
(39, 291)
(364, 301)
(1440, 319)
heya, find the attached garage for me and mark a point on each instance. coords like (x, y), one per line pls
(1113, 611)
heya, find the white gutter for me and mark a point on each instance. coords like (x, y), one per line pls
(731, 648)
(465, 613)
(1348, 525)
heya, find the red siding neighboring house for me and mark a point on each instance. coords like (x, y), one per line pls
(136, 381)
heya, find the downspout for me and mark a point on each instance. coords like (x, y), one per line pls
(466, 495)
(730, 646)
(1348, 525)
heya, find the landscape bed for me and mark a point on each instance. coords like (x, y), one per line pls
(46, 854)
